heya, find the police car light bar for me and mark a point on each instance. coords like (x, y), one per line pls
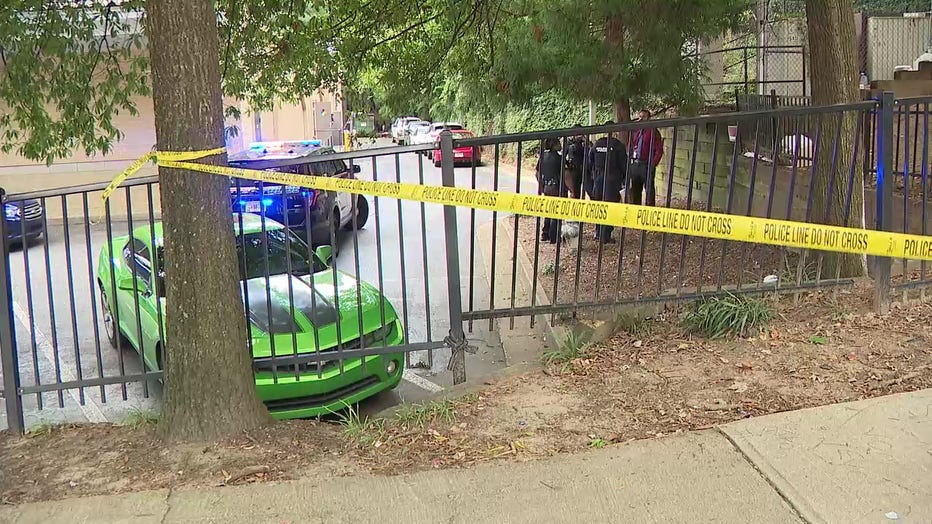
(283, 145)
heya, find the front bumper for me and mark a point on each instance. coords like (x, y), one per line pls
(20, 230)
(309, 395)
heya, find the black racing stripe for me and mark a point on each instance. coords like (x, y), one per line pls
(319, 310)
(271, 316)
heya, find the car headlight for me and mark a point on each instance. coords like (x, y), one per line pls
(11, 211)
(379, 337)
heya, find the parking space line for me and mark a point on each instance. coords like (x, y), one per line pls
(421, 382)
(90, 408)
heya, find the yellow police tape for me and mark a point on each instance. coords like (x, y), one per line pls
(665, 220)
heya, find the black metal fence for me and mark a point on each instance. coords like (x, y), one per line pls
(486, 269)
(784, 69)
(84, 289)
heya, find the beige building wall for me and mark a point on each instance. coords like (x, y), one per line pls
(287, 121)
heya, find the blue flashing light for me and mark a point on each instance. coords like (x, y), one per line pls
(315, 142)
(266, 202)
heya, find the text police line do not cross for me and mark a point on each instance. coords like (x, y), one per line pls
(665, 220)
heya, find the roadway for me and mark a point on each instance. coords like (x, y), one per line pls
(67, 342)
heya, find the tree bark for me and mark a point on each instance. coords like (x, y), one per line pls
(209, 383)
(615, 39)
(834, 59)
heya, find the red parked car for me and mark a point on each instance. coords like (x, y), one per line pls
(461, 155)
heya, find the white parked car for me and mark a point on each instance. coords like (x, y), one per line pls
(419, 135)
(400, 127)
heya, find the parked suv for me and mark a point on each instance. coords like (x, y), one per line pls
(23, 220)
(313, 214)
(400, 128)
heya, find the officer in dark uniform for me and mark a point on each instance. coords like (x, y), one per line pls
(608, 164)
(577, 149)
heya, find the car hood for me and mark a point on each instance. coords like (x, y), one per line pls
(328, 306)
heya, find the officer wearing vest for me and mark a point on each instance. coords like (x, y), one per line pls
(608, 164)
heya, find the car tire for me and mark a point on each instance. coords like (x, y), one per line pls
(437, 163)
(114, 335)
(362, 215)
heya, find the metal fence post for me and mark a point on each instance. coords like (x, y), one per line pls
(884, 198)
(10, 358)
(457, 338)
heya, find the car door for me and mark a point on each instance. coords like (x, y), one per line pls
(344, 200)
(134, 251)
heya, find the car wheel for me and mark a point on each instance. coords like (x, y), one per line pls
(113, 332)
(437, 163)
(430, 155)
(362, 214)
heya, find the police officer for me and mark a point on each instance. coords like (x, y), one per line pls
(577, 149)
(608, 164)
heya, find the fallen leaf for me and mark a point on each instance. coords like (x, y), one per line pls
(638, 343)
(739, 387)
(852, 357)
(744, 366)
(723, 359)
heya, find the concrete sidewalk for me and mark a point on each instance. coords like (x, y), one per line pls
(868, 461)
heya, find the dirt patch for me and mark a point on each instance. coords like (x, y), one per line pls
(80, 460)
(823, 348)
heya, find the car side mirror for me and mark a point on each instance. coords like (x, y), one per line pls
(125, 283)
(325, 254)
(356, 168)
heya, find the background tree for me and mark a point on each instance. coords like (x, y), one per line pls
(834, 58)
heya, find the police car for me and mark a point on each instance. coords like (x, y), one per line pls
(315, 215)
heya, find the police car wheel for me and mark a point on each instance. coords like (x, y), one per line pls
(362, 215)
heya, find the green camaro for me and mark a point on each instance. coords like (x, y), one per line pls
(295, 310)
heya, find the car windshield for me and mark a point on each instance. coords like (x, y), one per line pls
(251, 249)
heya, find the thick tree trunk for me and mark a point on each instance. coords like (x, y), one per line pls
(615, 39)
(622, 110)
(834, 59)
(209, 385)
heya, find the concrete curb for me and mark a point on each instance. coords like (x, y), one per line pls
(461, 390)
(522, 343)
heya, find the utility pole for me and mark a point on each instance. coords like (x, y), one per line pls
(591, 112)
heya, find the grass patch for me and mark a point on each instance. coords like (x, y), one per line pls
(361, 430)
(549, 269)
(633, 324)
(41, 429)
(426, 413)
(570, 349)
(140, 417)
(598, 443)
(728, 316)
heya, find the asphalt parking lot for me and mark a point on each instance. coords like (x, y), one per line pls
(59, 327)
